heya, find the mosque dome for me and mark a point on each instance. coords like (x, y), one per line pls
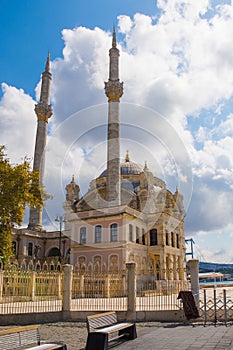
(127, 168)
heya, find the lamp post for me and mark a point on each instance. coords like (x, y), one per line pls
(60, 219)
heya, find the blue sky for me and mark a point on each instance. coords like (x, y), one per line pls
(176, 61)
(32, 28)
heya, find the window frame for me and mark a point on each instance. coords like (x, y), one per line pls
(98, 234)
(83, 240)
(114, 232)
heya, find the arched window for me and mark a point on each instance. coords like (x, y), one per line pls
(113, 263)
(82, 263)
(172, 239)
(143, 237)
(131, 257)
(97, 262)
(137, 234)
(153, 237)
(130, 233)
(114, 233)
(167, 238)
(98, 234)
(83, 235)
(177, 241)
(53, 252)
(30, 249)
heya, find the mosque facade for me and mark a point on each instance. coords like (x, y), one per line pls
(127, 214)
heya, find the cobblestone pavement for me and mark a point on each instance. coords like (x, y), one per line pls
(183, 337)
(74, 334)
(151, 336)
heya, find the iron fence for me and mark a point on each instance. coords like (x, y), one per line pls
(99, 289)
(216, 305)
(38, 288)
(28, 291)
(159, 295)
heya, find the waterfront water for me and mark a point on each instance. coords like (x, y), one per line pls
(217, 283)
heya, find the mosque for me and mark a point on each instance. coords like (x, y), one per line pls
(126, 215)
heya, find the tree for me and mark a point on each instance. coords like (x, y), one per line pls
(19, 187)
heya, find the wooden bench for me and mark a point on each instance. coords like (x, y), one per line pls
(101, 326)
(27, 337)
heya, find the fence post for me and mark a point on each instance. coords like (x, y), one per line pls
(107, 287)
(59, 279)
(82, 287)
(131, 290)
(194, 270)
(1, 284)
(33, 285)
(67, 287)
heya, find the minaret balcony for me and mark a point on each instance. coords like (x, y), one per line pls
(114, 90)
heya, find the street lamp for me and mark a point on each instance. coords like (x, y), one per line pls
(60, 219)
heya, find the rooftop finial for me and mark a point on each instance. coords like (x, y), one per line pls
(127, 159)
(145, 166)
(47, 66)
(114, 44)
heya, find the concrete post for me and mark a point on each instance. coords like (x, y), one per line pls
(131, 290)
(194, 270)
(67, 287)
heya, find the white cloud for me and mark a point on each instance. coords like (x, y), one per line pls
(17, 123)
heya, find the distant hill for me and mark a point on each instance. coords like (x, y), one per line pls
(208, 266)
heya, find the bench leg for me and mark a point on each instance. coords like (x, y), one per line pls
(97, 341)
(130, 332)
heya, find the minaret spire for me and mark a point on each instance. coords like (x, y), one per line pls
(114, 91)
(47, 66)
(43, 112)
(114, 43)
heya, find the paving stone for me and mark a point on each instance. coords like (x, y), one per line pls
(157, 336)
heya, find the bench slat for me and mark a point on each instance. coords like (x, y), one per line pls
(9, 341)
(114, 328)
(28, 337)
(101, 320)
(47, 347)
(17, 329)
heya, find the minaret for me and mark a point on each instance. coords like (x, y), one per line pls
(113, 90)
(43, 112)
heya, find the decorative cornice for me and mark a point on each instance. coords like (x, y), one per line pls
(113, 90)
(43, 111)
